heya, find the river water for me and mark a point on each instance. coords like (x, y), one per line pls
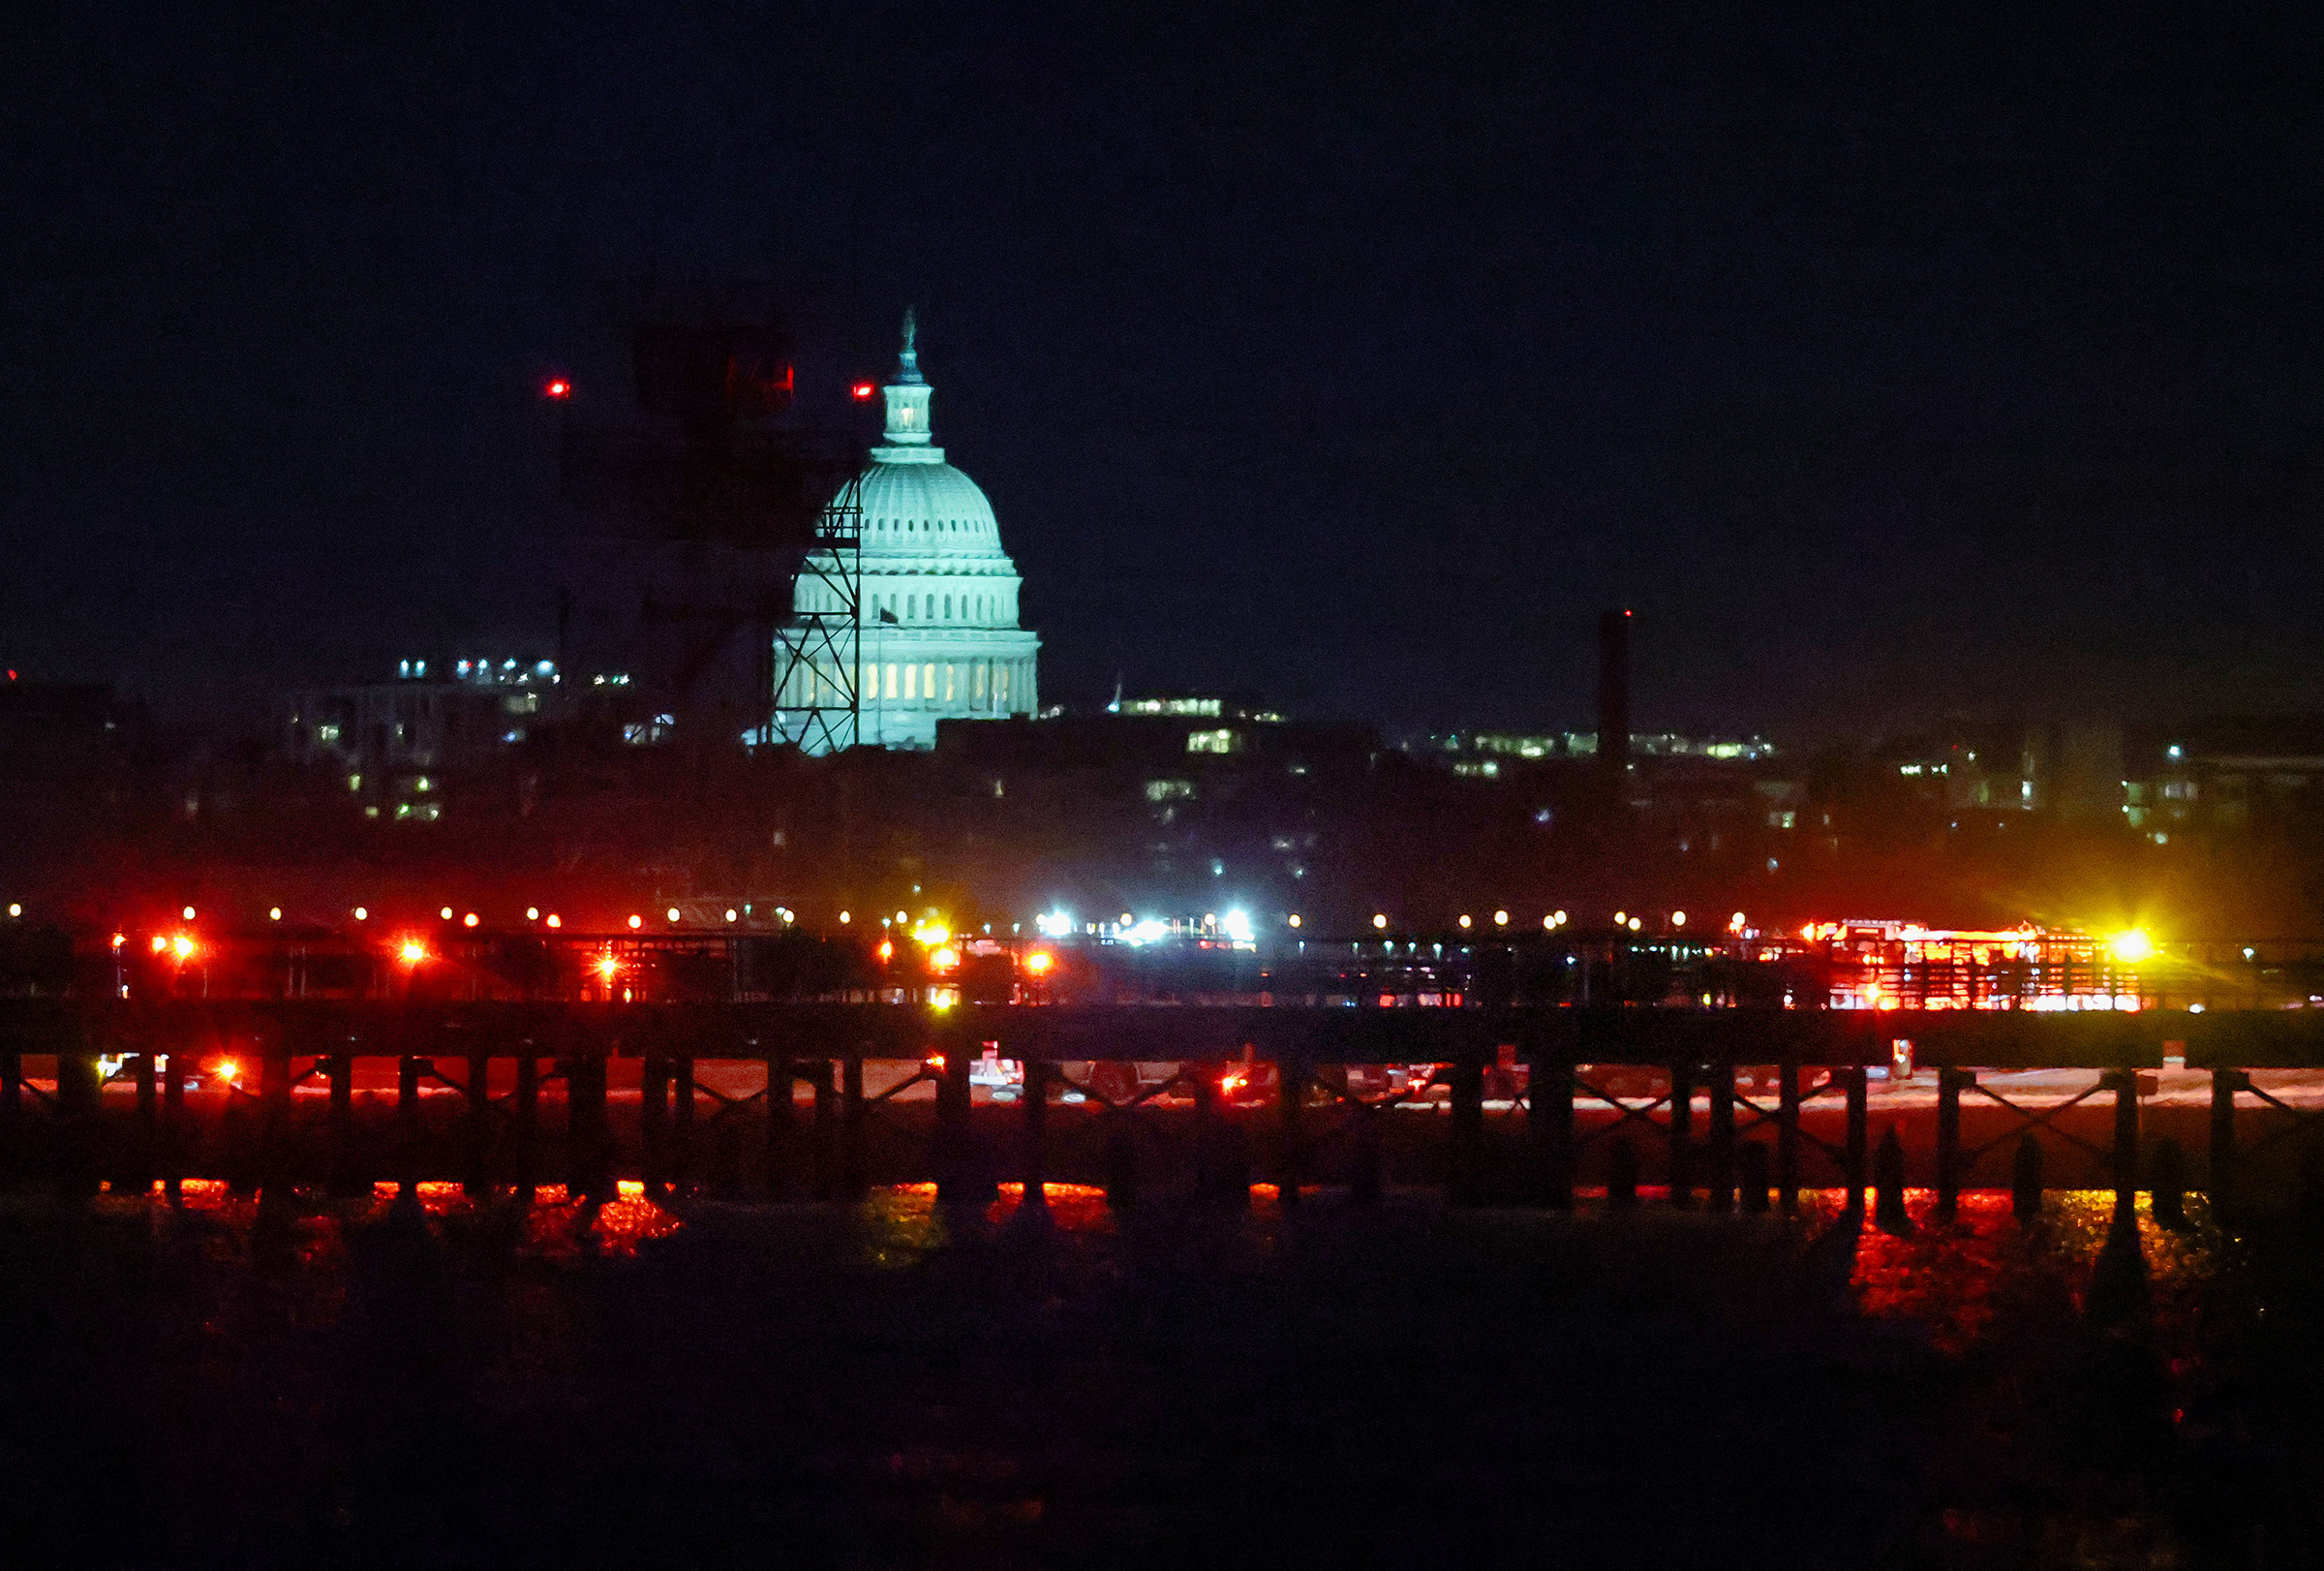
(894, 1384)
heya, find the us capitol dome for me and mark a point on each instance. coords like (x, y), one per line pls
(938, 637)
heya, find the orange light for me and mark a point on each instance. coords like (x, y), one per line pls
(608, 966)
(556, 920)
(558, 387)
(1039, 962)
(936, 1060)
(945, 959)
(887, 949)
(470, 920)
(226, 1069)
(120, 938)
(182, 946)
(413, 953)
(160, 943)
(636, 920)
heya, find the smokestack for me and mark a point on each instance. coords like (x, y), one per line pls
(1613, 689)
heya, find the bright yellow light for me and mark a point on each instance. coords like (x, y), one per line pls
(935, 1062)
(413, 953)
(182, 946)
(120, 938)
(636, 920)
(931, 933)
(160, 943)
(1500, 918)
(845, 917)
(1558, 917)
(672, 913)
(2131, 946)
(900, 918)
(362, 914)
(188, 913)
(1039, 962)
(226, 1069)
(1621, 918)
(532, 913)
(609, 967)
(887, 950)
(445, 913)
(1378, 920)
(945, 958)
(1464, 920)
(274, 913)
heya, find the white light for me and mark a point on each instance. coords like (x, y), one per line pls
(672, 913)
(1559, 917)
(274, 913)
(532, 913)
(1621, 918)
(445, 913)
(730, 914)
(188, 913)
(1633, 924)
(15, 910)
(362, 914)
(1295, 918)
(1464, 920)
(1500, 918)
(844, 918)
(1238, 927)
(1379, 922)
(1678, 918)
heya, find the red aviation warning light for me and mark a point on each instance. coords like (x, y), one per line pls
(557, 389)
(862, 392)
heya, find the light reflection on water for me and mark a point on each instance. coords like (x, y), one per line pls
(1946, 1279)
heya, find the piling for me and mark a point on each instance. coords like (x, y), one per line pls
(2224, 1084)
(961, 1178)
(173, 1131)
(1751, 1171)
(1682, 1134)
(1950, 1084)
(855, 1157)
(1888, 1213)
(149, 1113)
(654, 1123)
(826, 1120)
(1722, 1142)
(2168, 1180)
(2125, 1141)
(407, 1127)
(2025, 1180)
(78, 1085)
(13, 1164)
(1852, 1077)
(589, 1153)
(1036, 1132)
(1466, 1160)
(274, 1126)
(681, 1121)
(781, 1087)
(1787, 1135)
(1622, 1176)
(1121, 1164)
(525, 1136)
(1550, 1119)
(476, 1180)
(1291, 1089)
(347, 1172)
(1364, 1177)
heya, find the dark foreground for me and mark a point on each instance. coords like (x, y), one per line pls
(883, 1385)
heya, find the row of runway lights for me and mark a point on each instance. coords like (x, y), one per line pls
(532, 914)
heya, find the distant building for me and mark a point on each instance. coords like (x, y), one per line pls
(394, 742)
(938, 637)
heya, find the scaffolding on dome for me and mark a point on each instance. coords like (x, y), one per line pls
(816, 690)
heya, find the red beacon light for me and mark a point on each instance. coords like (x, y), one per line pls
(557, 389)
(862, 392)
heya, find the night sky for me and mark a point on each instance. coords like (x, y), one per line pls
(1887, 360)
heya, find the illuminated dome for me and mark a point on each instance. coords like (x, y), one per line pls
(938, 630)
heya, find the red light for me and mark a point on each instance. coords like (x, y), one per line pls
(887, 950)
(558, 387)
(862, 391)
(935, 1062)
(1039, 961)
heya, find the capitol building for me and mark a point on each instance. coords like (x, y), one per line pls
(937, 636)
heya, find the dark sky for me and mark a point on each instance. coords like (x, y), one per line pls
(1885, 358)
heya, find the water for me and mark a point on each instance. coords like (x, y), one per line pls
(892, 1384)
